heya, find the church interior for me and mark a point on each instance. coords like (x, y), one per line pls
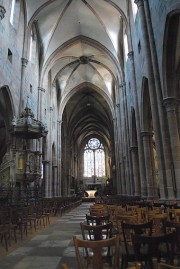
(89, 101)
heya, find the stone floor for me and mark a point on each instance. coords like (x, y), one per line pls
(51, 247)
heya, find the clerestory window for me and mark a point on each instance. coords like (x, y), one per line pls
(94, 159)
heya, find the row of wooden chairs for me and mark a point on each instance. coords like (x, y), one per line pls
(22, 219)
(128, 214)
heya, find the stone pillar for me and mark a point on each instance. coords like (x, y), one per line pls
(147, 141)
(152, 91)
(139, 140)
(2, 12)
(40, 97)
(126, 135)
(167, 176)
(59, 157)
(178, 114)
(24, 63)
(46, 177)
(135, 166)
(50, 151)
(170, 105)
(55, 191)
(116, 150)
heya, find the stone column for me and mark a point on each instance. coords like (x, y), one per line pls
(178, 114)
(147, 136)
(135, 166)
(126, 135)
(55, 180)
(59, 157)
(139, 140)
(46, 177)
(152, 90)
(24, 63)
(170, 105)
(117, 150)
(2, 12)
(115, 123)
(50, 151)
(40, 97)
(167, 177)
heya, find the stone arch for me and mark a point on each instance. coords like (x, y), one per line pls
(6, 116)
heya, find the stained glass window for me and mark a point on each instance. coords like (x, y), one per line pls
(94, 158)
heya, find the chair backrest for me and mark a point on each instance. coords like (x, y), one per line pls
(98, 232)
(171, 226)
(97, 220)
(97, 254)
(130, 228)
(166, 266)
(154, 247)
(162, 265)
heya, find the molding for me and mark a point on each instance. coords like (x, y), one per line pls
(134, 149)
(146, 133)
(170, 103)
(41, 89)
(139, 3)
(131, 55)
(24, 62)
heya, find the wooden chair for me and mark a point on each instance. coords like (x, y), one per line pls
(127, 250)
(98, 210)
(146, 248)
(98, 232)
(97, 220)
(4, 231)
(64, 266)
(138, 265)
(97, 254)
(171, 226)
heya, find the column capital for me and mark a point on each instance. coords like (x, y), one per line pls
(2, 12)
(131, 55)
(134, 149)
(46, 162)
(24, 62)
(60, 122)
(170, 103)
(122, 85)
(41, 89)
(147, 133)
(55, 166)
(139, 3)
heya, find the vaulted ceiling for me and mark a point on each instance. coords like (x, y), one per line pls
(82, 49)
